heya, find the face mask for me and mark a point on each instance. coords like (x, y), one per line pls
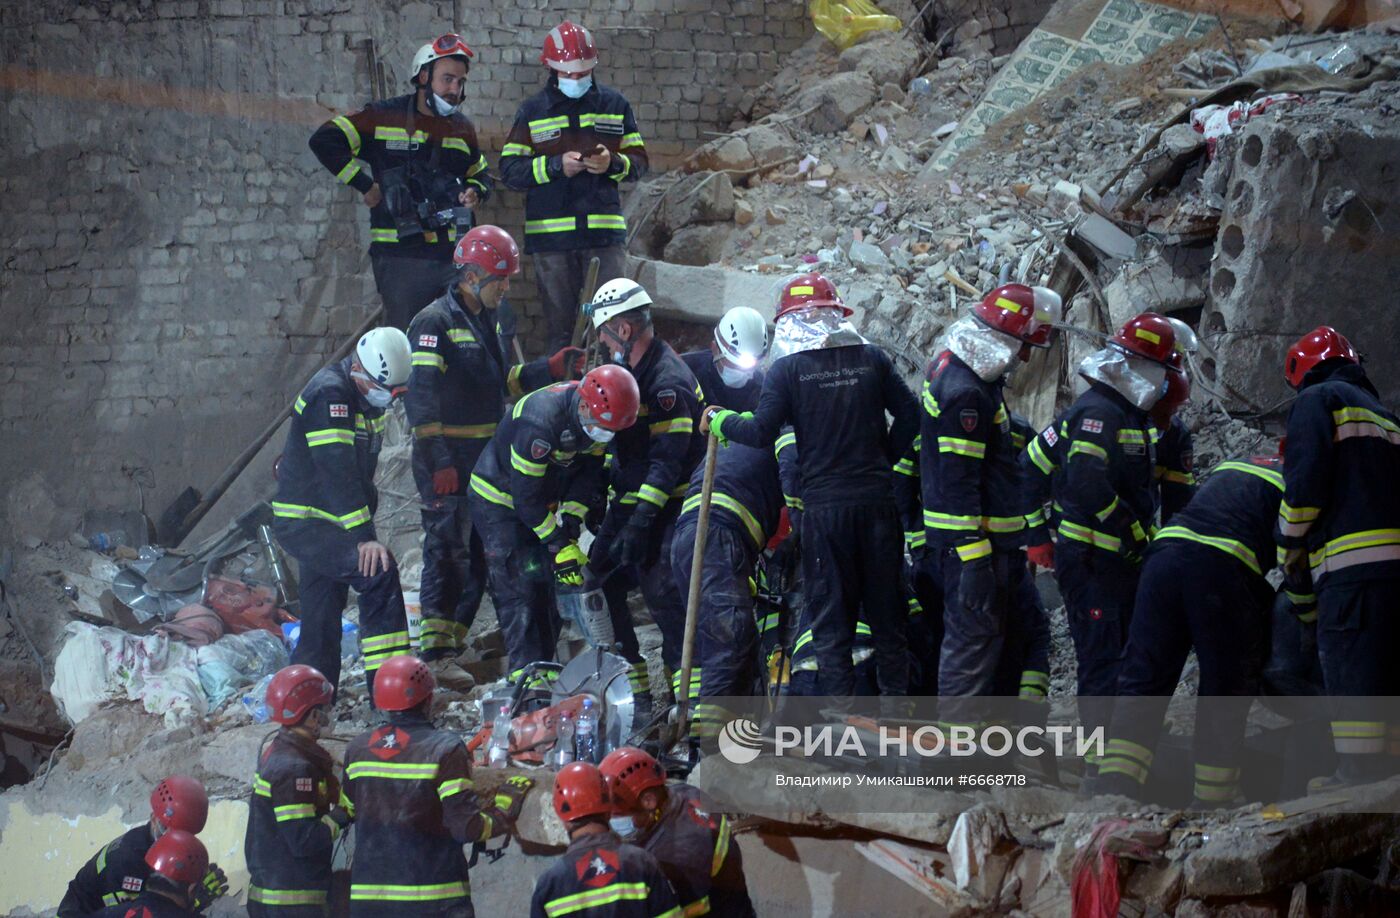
(598, 434)
(735, 378)
(441, 105)
(575, 89)
(623, 825)
(379, 398)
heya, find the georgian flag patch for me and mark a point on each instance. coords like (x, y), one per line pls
(1050, 436)
(1091, 425)
(305, 785)
(340, 410)
(427, 340)
(131, 884)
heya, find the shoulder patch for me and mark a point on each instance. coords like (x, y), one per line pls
(340, 410)
(1091, 425)
(666, 399)
(131, 884)
(305, 785)
(539, 449)
(427, 340)
(969, 417)
(1050, 436)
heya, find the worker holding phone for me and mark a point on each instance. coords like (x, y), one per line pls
(571, 147)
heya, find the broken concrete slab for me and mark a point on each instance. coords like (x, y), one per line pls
(702, 197)
(698, 244)
(886, 57)
(835, 101)
(1310, 193)
(755, 147)
(700, 294)
(1167, 281)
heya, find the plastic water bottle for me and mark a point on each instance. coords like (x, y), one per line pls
(564, 745)
(291, 634)
(255, 702)
(586, 733)
(349, 639)
(499, 753)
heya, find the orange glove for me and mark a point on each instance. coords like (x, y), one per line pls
(445, 481)
(1042, 555)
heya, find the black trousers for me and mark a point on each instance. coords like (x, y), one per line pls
(521, 578)
(407, 283)
(328, 561)
(925, 587)
(1191, 596)
(560, 276)
(454, 577)
(851, 560)
(1098, 588)
(1357, 631)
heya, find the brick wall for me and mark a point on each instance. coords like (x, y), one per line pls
(176, 262)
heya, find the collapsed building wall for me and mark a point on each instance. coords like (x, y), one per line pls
(176, 261)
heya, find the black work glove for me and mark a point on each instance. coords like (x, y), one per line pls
(570, 526)
(213, 886)
(977, 586)
(634, 542)
(510, 796)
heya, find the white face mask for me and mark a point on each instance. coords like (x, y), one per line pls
(379, 398)
(575, 89)
(597, 434)
(441, 105)
(735, 378)
(623, 825)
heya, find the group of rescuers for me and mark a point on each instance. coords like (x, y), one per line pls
(910, 525)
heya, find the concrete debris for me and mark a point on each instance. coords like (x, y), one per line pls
(885, 57)
(704, 197)
(831, 104)
(700, 244)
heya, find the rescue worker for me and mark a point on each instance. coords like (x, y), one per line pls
(408, 788)
(118, 872)
(974, 502)
(745, 508)
(572, 145)
(1340, 522)
(1103, 493)
(547, 453)
(679, 826)
(598, 876)
(834, 388)
(652, 462)
(728, 370)
(457, 389)
(293, 817)
(1024, 670)
(923, 576)
(423, 158)
(175, 864)
(324, 509)
(1202, 587)
(1176, 480)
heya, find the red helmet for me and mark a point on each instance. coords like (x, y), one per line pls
(295, 690)
(490, 248)
(1027, 313)
(1178, 391)
(612, 397)
(178, 856)
(806, 291)
(1322, 343)
(179, 802)
(630, 771)
(402, 683)
(569, 49)
(581, 790)
(1149, 336)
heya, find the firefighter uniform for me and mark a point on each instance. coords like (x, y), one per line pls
(973, 516)
(571, 220)
(745, 506)
(324, 510)
(412, 270)
(715, 391)
(1104, 505)
(1174, 473)
(652, 462)
(693, 845)
(1222, 540)
(289, 839)
(1342, 508)
(456, 395)
(538, 459)
(1025, 667)
(408, 787)
(146, 905)
(112, 876)
(923, 576)
(600, 877)
(836, 399)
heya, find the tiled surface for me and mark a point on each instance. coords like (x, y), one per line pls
(1123, 32)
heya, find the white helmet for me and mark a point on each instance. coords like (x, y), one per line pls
(449, 45)
(742, 337)
(616, 297)
(1186, 342)
(385, 355)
